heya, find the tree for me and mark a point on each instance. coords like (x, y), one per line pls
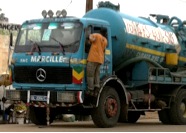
(2, 16)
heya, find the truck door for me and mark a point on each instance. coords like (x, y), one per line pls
(107, 66)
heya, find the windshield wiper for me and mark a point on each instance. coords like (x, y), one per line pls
(72, 44)
(35, 46)
(69, 45)
(60, 44)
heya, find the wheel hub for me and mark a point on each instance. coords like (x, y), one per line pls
(111, 107)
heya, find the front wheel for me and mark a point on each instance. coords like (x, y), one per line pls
(108, 110)
(38, 115)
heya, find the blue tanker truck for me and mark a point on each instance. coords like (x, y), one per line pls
(144, 67)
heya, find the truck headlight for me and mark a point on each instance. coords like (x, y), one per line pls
(58, 13)
(64, 13)
(13, 95)
(68, 97)
(44, 13)
(50, 13)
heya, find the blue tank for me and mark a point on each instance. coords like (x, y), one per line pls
(138, 37)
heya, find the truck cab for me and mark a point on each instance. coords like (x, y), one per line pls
(48, 65)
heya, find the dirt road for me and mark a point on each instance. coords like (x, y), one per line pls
(148, 123)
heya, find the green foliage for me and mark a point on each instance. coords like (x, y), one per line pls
(4, 32)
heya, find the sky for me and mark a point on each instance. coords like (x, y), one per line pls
(20, 10)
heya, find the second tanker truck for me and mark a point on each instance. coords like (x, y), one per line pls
(144, 67)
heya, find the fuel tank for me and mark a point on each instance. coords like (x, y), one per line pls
(139, 38)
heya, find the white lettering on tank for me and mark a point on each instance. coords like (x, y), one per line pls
(150, 32)
(149, 56)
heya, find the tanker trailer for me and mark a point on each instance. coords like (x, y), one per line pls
(149, 58)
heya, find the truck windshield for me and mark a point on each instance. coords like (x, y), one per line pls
(50, 36)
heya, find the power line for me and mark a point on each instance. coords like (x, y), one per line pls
(69, 4)
(183, 1)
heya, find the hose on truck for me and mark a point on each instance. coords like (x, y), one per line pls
(134, 60)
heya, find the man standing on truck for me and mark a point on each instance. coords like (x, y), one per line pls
(95, 58)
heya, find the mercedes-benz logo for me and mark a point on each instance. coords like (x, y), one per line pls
(41, 74)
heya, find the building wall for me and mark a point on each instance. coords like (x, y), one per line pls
(5, 30)
(4, 40)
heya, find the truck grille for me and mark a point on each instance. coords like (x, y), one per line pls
(51, 75)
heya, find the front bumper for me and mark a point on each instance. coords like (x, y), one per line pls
(57, 97)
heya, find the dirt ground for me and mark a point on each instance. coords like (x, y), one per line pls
(149, 115)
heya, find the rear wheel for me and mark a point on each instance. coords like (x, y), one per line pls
(38, 115)
(108, 110)
(178, 109)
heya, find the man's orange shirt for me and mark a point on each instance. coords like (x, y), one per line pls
(98, 45)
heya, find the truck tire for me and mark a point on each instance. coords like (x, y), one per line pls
(178, 109)
(164, 116)
(133, 116)
(38, 116)
(123, 112)
(108, 110)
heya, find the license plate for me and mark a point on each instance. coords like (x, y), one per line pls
(38, 98)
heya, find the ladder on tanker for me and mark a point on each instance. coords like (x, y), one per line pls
(164, 76)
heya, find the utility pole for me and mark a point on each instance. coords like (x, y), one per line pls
(89, 5)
